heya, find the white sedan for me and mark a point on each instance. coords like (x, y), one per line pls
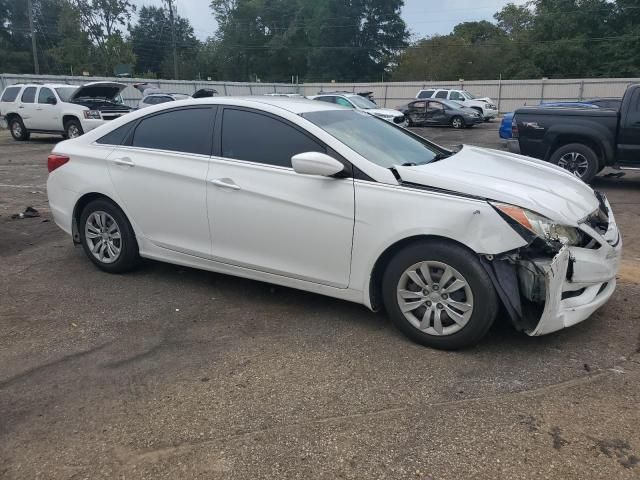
(317, 197)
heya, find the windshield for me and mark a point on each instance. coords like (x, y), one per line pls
(65, 93)
(468, 95)
(376, 140)
(362, 102)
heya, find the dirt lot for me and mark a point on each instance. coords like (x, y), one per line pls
(173, 373)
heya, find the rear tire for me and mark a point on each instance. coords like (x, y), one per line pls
(577, 159)
(73, 129)
(107, 237)
(18, 130)
(463, 305)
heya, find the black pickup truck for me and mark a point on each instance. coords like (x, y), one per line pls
(582, 140)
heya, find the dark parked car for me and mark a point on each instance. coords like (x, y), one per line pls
(441, 112)
(583, 140)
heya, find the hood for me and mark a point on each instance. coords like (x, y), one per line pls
(106, 90)
(509, 178)
(484, 99)
(384, 111)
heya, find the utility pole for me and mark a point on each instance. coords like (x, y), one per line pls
(173, 40)
(33, 38)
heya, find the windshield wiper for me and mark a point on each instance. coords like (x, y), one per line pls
(440, 156)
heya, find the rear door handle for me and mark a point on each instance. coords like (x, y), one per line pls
(225, 183)
(126, 161)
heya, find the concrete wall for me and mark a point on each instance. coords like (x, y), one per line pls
(507, 94)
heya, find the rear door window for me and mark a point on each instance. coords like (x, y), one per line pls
(259, 138)
(188, 130)
(442, 94)
(29, 95)
(10, 94)
(425, 94)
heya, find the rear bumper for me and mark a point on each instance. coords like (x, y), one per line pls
(513, 145)
(490, 113)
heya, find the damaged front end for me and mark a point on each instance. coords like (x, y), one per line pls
(562, 275)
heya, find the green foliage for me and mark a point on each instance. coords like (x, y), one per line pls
(151, 43)
(315, 40)
(553, 38)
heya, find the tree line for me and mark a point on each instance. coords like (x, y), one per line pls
(321, 40)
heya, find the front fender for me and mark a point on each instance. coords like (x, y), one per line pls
(388, 214)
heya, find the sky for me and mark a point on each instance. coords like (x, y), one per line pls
(423, 17)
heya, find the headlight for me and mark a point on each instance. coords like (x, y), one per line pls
(541, 226)
(387, 117)
(92, 114)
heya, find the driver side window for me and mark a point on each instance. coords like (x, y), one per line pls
(456, 96)
(46, 96)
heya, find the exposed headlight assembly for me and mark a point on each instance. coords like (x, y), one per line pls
(541, 226)
(92, 114)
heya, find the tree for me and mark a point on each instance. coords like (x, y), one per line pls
(332, 39)
(105, 22)
(151, 43)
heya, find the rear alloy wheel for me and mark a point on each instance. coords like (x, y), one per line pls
(439, 295)
(73, 129)
(578, 159)
(107, 237)
(18, 130)
(457, 122)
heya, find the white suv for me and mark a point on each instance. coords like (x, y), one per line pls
(69, 110)
(357, 102)
(484, 105)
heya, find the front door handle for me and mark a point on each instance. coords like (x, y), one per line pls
(126, 161)
(225, 183)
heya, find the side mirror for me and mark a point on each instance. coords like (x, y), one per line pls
(51, 100)
(316, 163)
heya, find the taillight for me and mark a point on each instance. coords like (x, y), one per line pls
(55, 161)
(514, 129)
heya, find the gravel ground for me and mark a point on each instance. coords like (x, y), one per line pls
(170, 372)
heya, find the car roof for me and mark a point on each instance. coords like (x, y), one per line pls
(291, 104)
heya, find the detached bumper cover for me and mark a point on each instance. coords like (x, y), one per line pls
(570, 299)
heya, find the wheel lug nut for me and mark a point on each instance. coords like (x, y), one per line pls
(435, 287)
(445, 296)
(428, 304)
(440, 306)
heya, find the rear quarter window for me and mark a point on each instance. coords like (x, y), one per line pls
(10, 94)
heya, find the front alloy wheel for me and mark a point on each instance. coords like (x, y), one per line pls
(438, 293)
(435, 298)
(457, 122)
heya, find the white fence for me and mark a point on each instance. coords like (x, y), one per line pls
(507, 94)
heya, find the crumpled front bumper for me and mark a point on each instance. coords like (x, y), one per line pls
(578, 280)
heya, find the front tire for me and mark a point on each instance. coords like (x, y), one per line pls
(18, 130)
(457, 122)
(439, 295)
(73, 129)
(107, 237)
(577, 159)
